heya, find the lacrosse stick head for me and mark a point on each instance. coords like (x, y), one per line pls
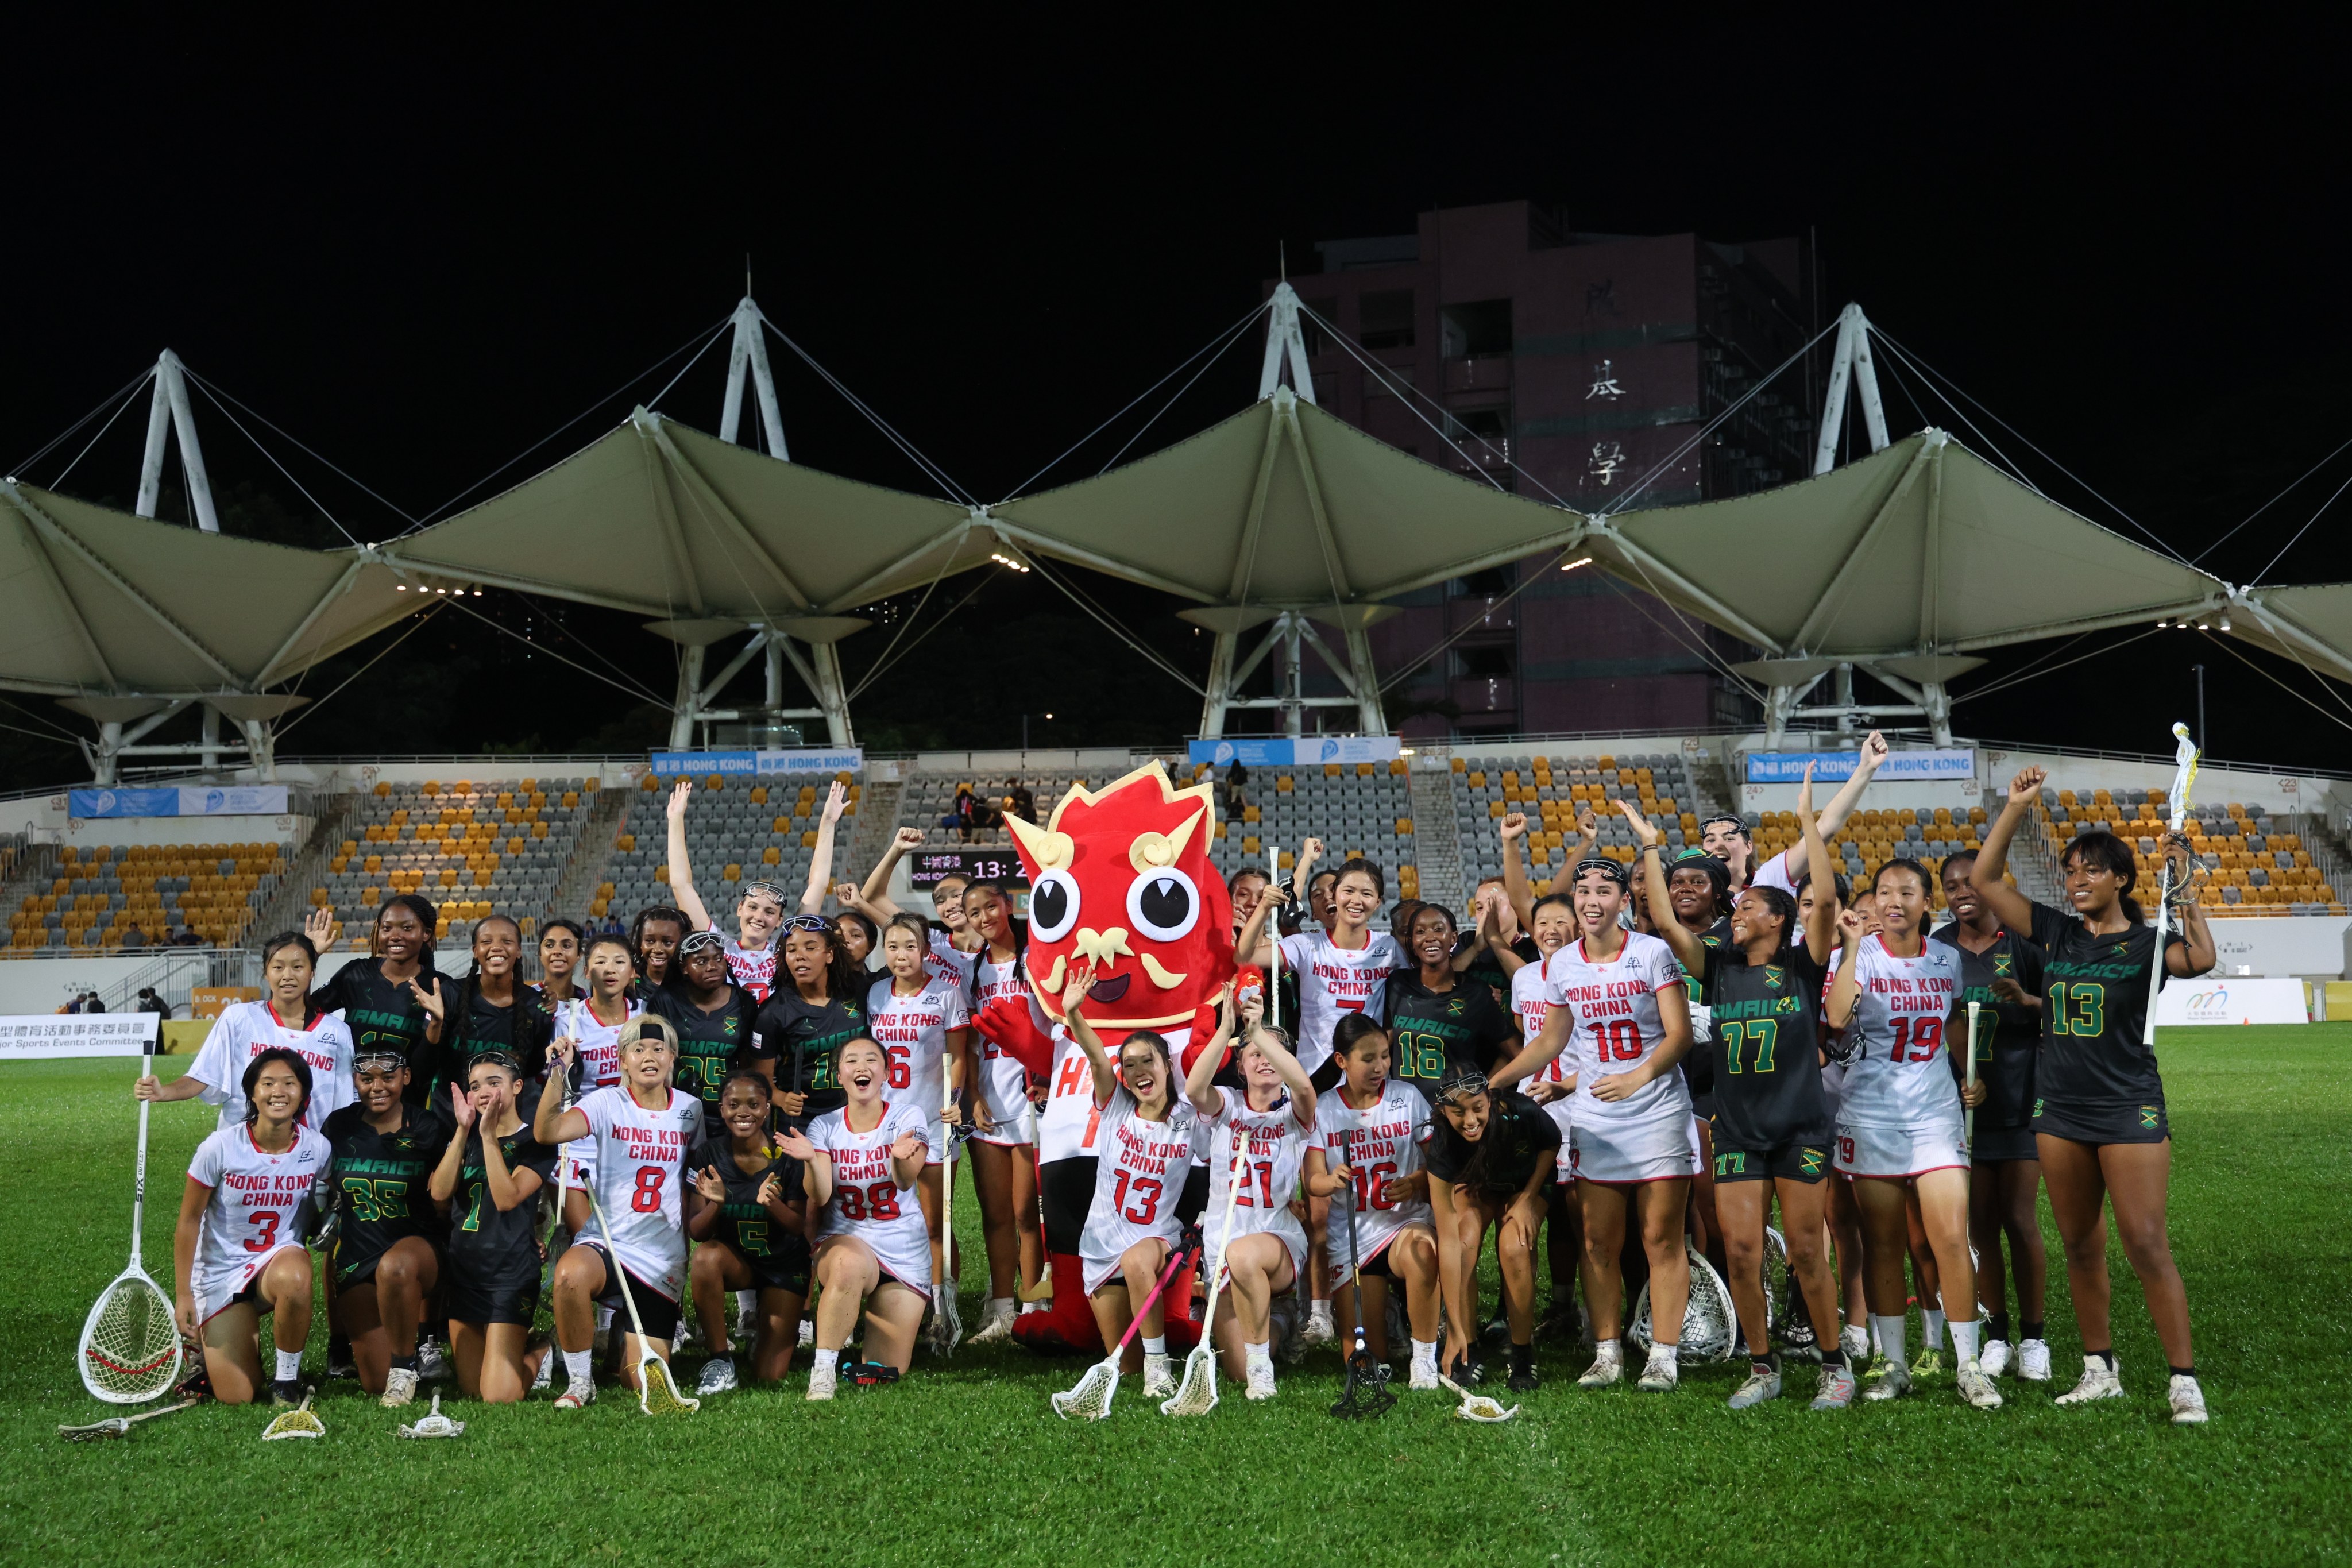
(657, 1392)
(948, 1321)
(1197, 1394)
(113, 1426)
(1090, 1399)
(131, 1349)
(435, 1425)
(1365, 1393)
(298, 1422)
(1476, 1406)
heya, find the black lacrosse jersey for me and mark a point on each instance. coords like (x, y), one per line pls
(496, 1247)
(1520, 1136)
(381, 1014)
(804, 1037)
(1486, 971)
(743, 1223)
(1699, 1062)
(522, 1028)
(378, 1181)
(709, 1043)
(1429, 1029)
(2009, 1037)
(2095, 999)
(1766, 1050)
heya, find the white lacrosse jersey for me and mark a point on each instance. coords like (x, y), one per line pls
(1335, 981)
(947, 961)
(245, 1030)
(1139, 1174)
(753, 968)
(1618, 1026)
(1532, 1006)
(1899, 1076)
(1070, 1126)
(867, 1201)
(599, 1064)
(640, 1163)
(1003, 1080)
(913, 1033)
(255, 1210)
(1381, 1143)
(1775, 873)
(1272, 1144)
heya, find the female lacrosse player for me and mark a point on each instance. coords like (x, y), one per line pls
(818, 1006)
(1773, 1122)
(560, 945)
(384, 998)
(639, 1130)
(1728, 836)
(489, 1179)
(654, 938)
(2002, 975)
(1144, 1141)
(750, 1224)
(920, 1022)
(593, 1027)
(1617, 1001)
(385, 1257)
(1368, 1133)
(493, 1009)
(1552, 922)
(1899, 1119)
(714, 1018)
(2099, 1118)
(1267, 1126)
(1437, 1016)
(239, 1252)
(863, 1160)
(1004, 1142)
(284, 1020)
(1490, 1155)
(751, 955)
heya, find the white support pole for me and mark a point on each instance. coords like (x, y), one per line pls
(771, 689)
(1939, 705)
(261, 746)
(1865, 386)
(1850, 362)
(211, 754)
(832, 693)
(1218, 687)
(749, 353)
(170, 381)
(150, 467)
(1285, 341)
(1842, 693)
(110, 746)
(689, 701)
(1293, 678)
(1370, 717)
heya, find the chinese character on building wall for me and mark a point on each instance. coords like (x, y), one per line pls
(1604, 383)
(1608, 456)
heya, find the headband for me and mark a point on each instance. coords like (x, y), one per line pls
(1606, 867)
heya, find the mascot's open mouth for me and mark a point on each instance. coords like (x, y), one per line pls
(1110, 990)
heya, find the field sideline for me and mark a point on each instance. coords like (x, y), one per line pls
(966, 1464)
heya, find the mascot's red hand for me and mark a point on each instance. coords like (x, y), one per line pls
(1204, 1029)
(1008, 1021)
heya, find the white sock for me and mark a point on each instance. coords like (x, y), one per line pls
(1890, 1336)
(289, 1365)
(823, 1360)
(1671, 1350)
(1425, 1353)
(603, 1317)
(746, 1303)
(1000, 1306)
(580, 1365)
(1255, 1356)
(1932, 1338)
(1039, 1306)
(1155, 1344)
(1964, 1340)
(1319, 1310)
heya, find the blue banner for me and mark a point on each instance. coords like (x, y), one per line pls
(222, 800)
(812, 761)
(1835, 767)
(1278, 751)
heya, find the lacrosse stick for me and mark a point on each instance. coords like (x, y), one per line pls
(120, 1425)
(1274, 963)
(2184, 778)
(1092, 1396)
(1197, 1394)
(298, 1422)
(562, 1158)
(1709, 1323)
(435, 1424)
(1476, 1406)
(1367, 1390)
(657, 1392)
(947, 1320)
(131, 1341)
(1971, 1113)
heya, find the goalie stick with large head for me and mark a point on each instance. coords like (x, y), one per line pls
(657, 1392)
(130, 1347)
(1366, 1392)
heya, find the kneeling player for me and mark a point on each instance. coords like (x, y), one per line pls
(489, 1178)
(750, 1219)
(1265, 1126)
(385, 1261)
(1370, 1132)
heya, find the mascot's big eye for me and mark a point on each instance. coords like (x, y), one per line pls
(1053, 906)
(1162, 903)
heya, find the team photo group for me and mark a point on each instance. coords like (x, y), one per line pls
(1667, 1107)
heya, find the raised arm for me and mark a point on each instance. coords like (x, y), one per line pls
(1302, 875)
(1687, 948)
(681, 871)
(875, 895)
(443, 1183)
(2196, 955)
(820, 873)
(1294, 1077)
(551, 1122)
(1513, 828)
(1197, 1089)
(1821, 923)
(1841, 805)
(2013, 908)
(1106, 1073)
(1588, 834)
(1255, 944)
(1845, 990)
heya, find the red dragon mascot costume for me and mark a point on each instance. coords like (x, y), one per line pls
(1121, 876)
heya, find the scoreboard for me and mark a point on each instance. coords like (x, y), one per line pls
(1001, 865)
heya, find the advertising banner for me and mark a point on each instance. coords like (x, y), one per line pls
(810, 761)
(1836, 767)
(55, 1037)
(2238, 999)
(222, 800)
(1278, 751)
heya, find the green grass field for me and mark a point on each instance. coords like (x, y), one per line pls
(966, 1464)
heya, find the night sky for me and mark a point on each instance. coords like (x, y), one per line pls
(421, 249)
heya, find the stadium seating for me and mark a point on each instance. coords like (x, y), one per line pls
(1356, 808)
(740, 830)
(101, 894)
(471, 849)
(1551, 791)
(2251, 864)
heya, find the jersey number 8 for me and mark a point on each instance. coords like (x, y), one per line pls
(647, 1196)
(879, 1201)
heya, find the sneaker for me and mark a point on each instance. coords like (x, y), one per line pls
(2100, 1381)
(2034, 1359)
(1760, 1387)
(1975, 1386)
(1288, 1322)
(1994, 1357)
(1893, 1380)
(1835, 1389)
(687, 1334)
(601, 1342)
(1854, 1341)
(1158, 1377)
(1608, 1368)
(718, 1376)
(995, 1323)
(1498, 1331)
(1260, 1384)
(808, 1333)
(820, 1381)
(1526, 1382)
(1423, 1375)
(1877, 1368)
(287, 1393)
(1927, 1366)
(1400, 1327)
(1319, 1331)
(399, 1388)
(432, 1364)
(546, 1371)
(1664, 1369)
(2188, 1402)
(345, 1368)
(578, 1392)
(1564, 1321)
